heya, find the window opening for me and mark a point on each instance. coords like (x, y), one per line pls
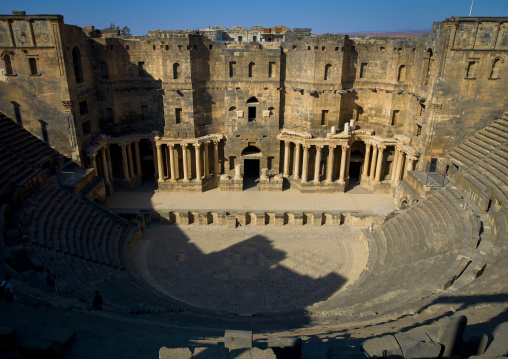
(363, 70)
(324, 118)
(83, 108)
(8, 65)
(178, 115)
(232, 69)
(395, 117)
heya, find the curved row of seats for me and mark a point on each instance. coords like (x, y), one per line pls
(24, 158)
(60, 221)
(418, 252)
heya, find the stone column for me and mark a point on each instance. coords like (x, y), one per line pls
(159, 163)
(296, 172)
(131, 163)
(125, 165)
(93, 157)
(348, 160)
(366, 160)
(184, 158)
(105, 165)
(287, 148)
(197, 146)
(110, 167)
(171, 146)
(189, 161)
(394, 165)
(155, 162)
(399, 167)
(216, 167)
(317, 164)
(305, 162)
(329, 166)
(206, 168)
(177, 163)
(373, 162)
(411, 163)
(138, 158)
(379, 163)
(343, 160)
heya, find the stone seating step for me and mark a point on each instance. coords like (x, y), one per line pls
(474, 154)
(412, 222)
(491, 137)
(411, 239)
(495, 133)
(490, 183)
(500, 127)
(478, 149)
(497, 176)
(499, 164)
(436, 224)
(465, 156)
(480, 142)
(423, 218)
(459, 158)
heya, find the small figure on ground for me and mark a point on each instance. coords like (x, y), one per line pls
(6, 289)
(98, 301)
(51, 280)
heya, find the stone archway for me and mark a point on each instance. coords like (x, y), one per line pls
(251, 157)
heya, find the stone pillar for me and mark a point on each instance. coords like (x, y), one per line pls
(155, 162)
(366, 160)
(329, 166)
(138, 158)
(411, 163)
(185, 166)
(197, 146)
(305, 162)
(172, 162)
(379, 163)
(343, 163)
(125, 165)
(110, 167)
(159, 163)
(189, 162)
(93, 157)
(296, 172)
(216, 167)
(287, 148)
(105, 165)
(206, 168)
(238, 174)
(373, 162)
(177, 163)
(399, 167)
(348, 160)
(317, 163)
(131, 163)
(395, 163)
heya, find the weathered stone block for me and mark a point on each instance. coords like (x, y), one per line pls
(174, 353)
(254, 353)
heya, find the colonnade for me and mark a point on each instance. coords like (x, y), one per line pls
(170, 153)
(303, 173)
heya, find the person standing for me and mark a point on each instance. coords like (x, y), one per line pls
(98, 301)
(6, 287)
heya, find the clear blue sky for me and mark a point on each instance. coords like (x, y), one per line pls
(323, 16)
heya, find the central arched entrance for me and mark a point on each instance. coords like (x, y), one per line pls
(251, 156)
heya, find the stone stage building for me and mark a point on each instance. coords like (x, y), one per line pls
(204, 109)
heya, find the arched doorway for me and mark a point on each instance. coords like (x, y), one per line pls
(251, 156)
(355, 167)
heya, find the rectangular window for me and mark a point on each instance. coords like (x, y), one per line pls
(153, 47)
(363, 70)
(269, 163)
(33, 66)
(83, 108)
(127, 47)
(178, 115)
(109, 114)
(418, 130)
(232, 162)
(141, 70)
(254, 38)
(167, 47)
(395, 117)
(104, 70)
(86, 127)
(271, 69)
(252, 114)
(240, 38)
(232, 69)
(210, 47)
(324, 118)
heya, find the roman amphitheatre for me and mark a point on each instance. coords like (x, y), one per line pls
(259, 192)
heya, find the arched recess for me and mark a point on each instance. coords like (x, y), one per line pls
(271, 111)
(252, 67)
(77, 65)
(328, 70)
(401, 76)
(251, 150)
(252, 104)
(496, 64)
(232, 108)
(176, 66)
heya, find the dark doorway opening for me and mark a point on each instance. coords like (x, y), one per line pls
(250, 173)
(252, 114)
